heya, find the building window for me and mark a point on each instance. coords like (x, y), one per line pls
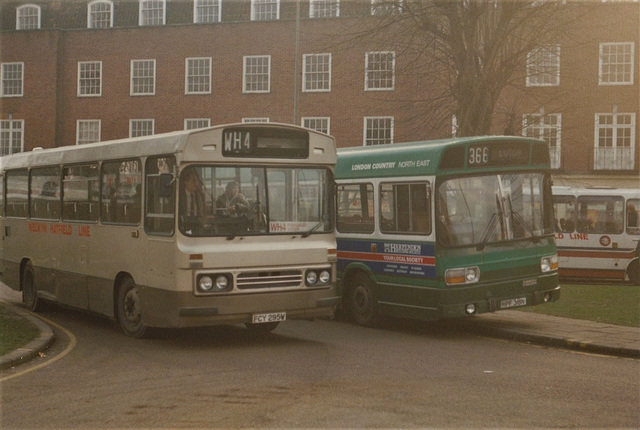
(207, 11)
(317, 72)
(265, 10)
(615, 137)
(143, 77)
(198, 76)
(195, 123)
(321, 124)
(141, 127)
(89, 78)
(100, 14)
(12, 80)
(254, 120)
(324, 8)
(543, 67)
(616, 63)
(87, 131)
(152, 12)
(380, 71)
(28, 17)
(386, 7)
(11, 136)
(257, 74)
(546, 127)
(378, 130)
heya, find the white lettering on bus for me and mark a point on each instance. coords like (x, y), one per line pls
(237, 141)
(404, 248)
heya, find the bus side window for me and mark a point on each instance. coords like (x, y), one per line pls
(160, 201)
(405, 208)
(45, 193)
(633, 209)
(564, 209)
(600, 215)
(17, 194)
(80, 193)
(121, 186)
(355, 208)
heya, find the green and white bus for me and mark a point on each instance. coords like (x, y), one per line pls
(445, 228)
(229, 224)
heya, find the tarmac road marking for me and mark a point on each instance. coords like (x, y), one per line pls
(67, 350)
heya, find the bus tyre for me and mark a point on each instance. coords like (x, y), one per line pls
(363, 305)
(634, 272)
(30, 289)
(128, 309)
(262, 328)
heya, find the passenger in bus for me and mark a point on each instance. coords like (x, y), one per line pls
(632, 216)
(231, 202)
(192, 202)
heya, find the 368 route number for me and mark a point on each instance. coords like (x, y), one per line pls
(478, 155)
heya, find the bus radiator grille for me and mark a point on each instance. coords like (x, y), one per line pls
(275, 279)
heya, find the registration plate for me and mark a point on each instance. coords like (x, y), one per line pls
(270, 317)
(513, 303)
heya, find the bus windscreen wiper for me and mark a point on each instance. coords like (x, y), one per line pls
(493, 222)
(525, 224)
(315, 227)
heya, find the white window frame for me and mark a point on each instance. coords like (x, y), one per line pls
(81, 92)
(383, 7)
(602, 65)
(81, 133)
(142, 17)
(91, 23)
(4, 79)
(200, 5)
(308, 60)
(614, 156)
(9, 129)
(132, 90)
(307, 123)
(20, 19)
(256, 15)
(188, 74)
(134, 123)
(319, 8)
(196, 123)
(543, 66)
(367, 84)
(377, 140)
(547, 127)
(246, 82)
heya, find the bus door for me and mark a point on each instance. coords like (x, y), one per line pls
(159, 220)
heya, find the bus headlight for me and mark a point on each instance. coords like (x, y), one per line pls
(317, 277)
(205, 283)
(214, 283)
(549, 264)
(462, 276)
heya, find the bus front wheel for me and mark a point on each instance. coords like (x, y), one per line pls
(363, 305)
(128, 309)
(30, 289)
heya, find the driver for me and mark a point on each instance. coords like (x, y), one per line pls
(231, 202)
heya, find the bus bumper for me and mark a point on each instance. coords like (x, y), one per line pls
(162, 308)
(491, 298)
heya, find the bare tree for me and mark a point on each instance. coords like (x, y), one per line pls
(472, 49)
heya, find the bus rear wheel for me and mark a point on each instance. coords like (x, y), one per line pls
(128, 309)
(363, 305)
(634, 272)
(30, 289)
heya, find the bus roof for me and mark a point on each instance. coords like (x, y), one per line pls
(431, 157)
(157, 144)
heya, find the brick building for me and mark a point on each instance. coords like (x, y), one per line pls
(78, 71)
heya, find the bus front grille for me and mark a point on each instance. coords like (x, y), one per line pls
(273, 279)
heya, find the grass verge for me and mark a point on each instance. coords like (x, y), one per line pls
(15, 331)
(612, 304)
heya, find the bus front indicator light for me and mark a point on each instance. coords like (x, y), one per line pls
(549, 264)
(462, 276)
